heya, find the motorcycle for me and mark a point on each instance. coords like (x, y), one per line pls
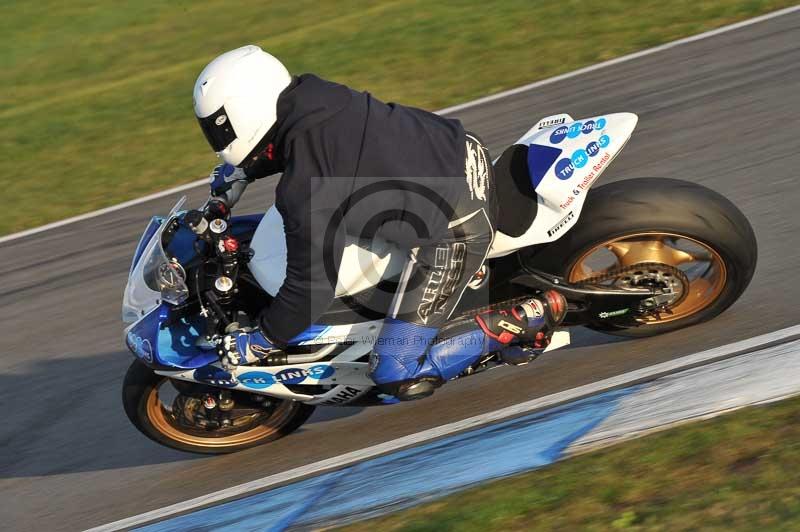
(636, 258)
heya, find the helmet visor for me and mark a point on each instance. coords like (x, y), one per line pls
(218, 129)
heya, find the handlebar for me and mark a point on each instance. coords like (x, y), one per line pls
(211, 225)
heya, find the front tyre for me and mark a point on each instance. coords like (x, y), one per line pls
(648, 228)
(173, 414)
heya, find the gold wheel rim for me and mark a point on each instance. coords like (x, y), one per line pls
(702, 265)
(160, 416)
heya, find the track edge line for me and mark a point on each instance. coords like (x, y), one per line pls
(553, 400)
(451, 109)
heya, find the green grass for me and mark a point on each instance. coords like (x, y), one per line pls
(95, 97)
(737, 472)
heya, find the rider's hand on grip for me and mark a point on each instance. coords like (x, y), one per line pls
(241, 348)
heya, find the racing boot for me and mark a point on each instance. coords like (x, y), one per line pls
(530, 324)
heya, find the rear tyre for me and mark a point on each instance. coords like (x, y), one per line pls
(174, 424)
(665, 221)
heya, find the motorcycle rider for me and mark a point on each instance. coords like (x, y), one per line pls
(412, 177)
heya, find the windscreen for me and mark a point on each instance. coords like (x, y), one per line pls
(144, 290)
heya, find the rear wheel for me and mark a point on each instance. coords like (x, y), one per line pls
(671, 234)
(173, 413)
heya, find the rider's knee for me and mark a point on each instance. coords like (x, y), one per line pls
(399, 364)
(404, 379)
(410, 390)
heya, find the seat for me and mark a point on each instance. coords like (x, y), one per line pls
(516, 197)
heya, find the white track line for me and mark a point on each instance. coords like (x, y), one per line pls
(626, 379)
(453, 109)
(623, 59)
(100, 212)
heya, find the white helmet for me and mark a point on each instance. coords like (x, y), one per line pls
(236, 98)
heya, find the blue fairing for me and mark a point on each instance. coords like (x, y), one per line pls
(181, 246)
(176, 346)
(245, 224)
(173, 346)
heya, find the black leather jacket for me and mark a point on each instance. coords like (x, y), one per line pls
(354, 165)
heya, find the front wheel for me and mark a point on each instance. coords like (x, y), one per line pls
(661, 233)
(173, 413)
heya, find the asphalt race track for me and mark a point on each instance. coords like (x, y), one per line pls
(723, 111)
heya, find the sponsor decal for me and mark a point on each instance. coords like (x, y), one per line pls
(559, 134)
(448, 267)
(141, 347)
(215, 376)
(258, 380)
(298, 375)
(560, 225)
(587, 180)
(221, 119)
(596, 169)
(613, 313)
(580, 158)
(477, 172)
(345, 396)
(564, 169)
(574, 130)
(510, 327)
(551, 123)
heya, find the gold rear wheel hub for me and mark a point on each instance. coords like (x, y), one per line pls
(703, 268)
